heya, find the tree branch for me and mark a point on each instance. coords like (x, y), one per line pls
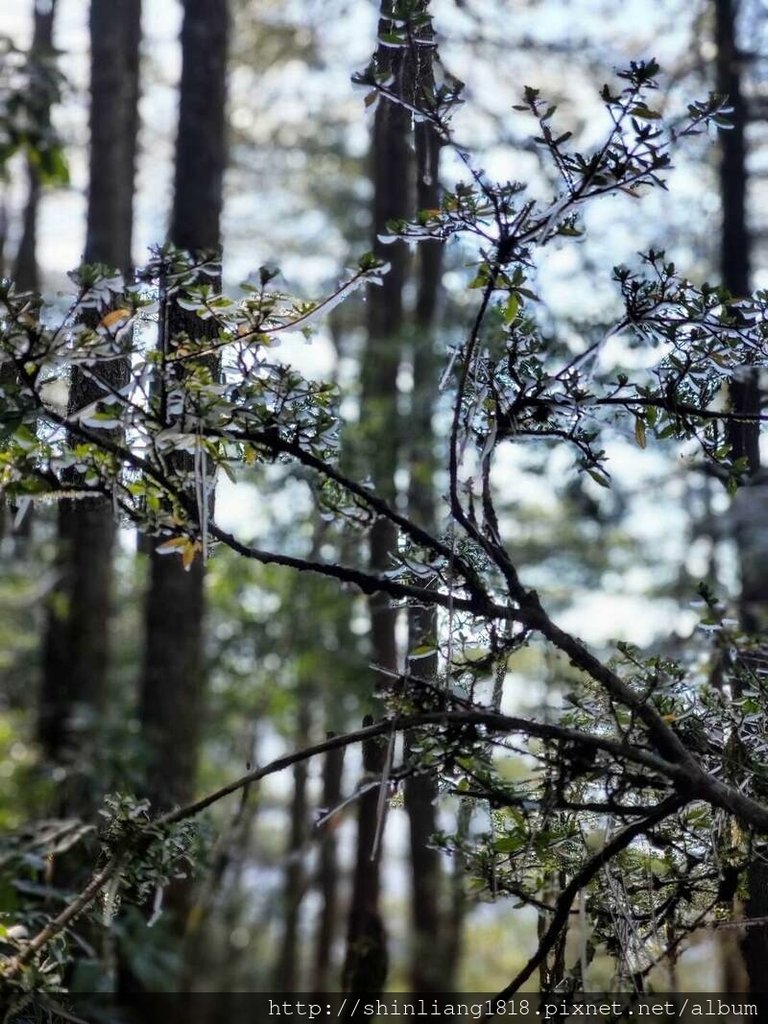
(582, 877)
(12, 967)
(504, 723)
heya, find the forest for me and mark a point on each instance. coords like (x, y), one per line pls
(383, 518)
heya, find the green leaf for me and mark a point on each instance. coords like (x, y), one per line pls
(599, 478)
(422, 651)
(25, 437)
(511, 309)
(640, 432)
(53, 167)
(508, 844)
(644, 113)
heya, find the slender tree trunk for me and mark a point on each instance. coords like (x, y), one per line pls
(366, 964)
(381, 442)
(749, 509)
(172, 685)
(201, 139)
(287, 973)
(76, 642)
(735, 243)
(380, 451)
(457, 896)
(328, 874)
(428, 962)
(3, 235)
(25, 271)
(116, 37)
(173, 682)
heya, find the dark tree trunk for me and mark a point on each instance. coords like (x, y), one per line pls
(391, 168)
(173, 680)
(76, 644)
(749, 508)
(457, 896)
(172, 691)
(380, 451)
(429, 964)
(116, 36)
(366, 964)
(25, 271)
(287, 973)
(735, 240)
(3, 235)
(201, 139)
(328, 873)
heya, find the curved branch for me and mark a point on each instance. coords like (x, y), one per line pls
(529, 613)
(368, 583)
(99, 879)
(689, 785)
(11, 968)
(664, 738)
(370, 498)
(582, 878)
(491, 720)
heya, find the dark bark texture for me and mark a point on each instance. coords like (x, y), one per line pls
(391, 170)
(735, 240)
(115, 36)
(429, 964)
(25, 269)
(25, 272)
(173, 680)
(328, 873)
(366, 964)
(200, 144)
(288, 960)
(76, 650)
(749, 510)
(380, 451)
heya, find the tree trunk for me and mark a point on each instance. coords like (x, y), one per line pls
(428, 961)
(287, 973)
(379, 451)
(173, 679)
(201, 141)
(25, 270)
(366, 964)
(457, 901)
(735, 240)
(76, 643)
(328, 874)
(749, 509)
(380, 441)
